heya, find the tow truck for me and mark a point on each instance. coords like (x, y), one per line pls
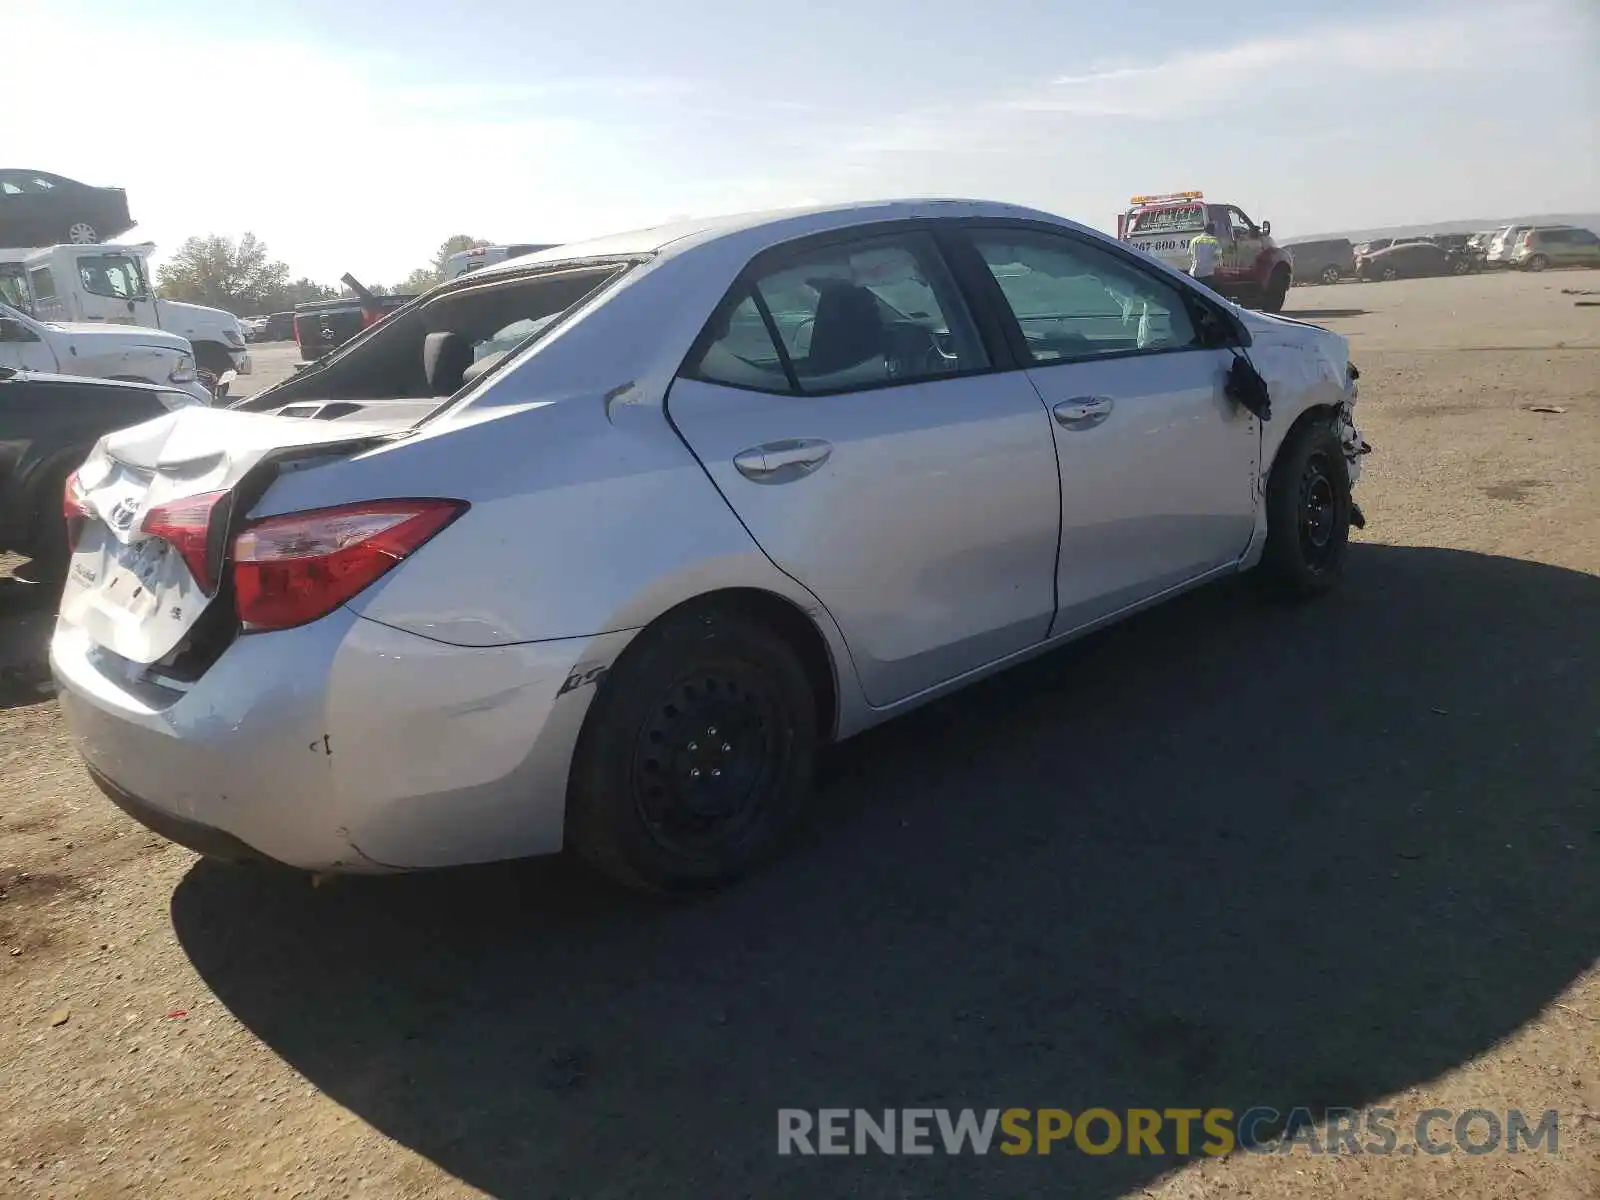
(1253, 270)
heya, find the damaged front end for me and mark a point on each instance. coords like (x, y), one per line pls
(1355, 445)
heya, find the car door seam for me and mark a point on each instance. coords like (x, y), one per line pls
(666, 411)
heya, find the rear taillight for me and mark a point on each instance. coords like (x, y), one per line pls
(295, 568)
(74, 510)
(186, 526)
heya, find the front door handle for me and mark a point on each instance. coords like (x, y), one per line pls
(782, 461)
(1082, 412)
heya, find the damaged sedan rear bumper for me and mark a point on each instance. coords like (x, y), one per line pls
(342, 745)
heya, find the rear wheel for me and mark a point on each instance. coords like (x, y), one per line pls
(695, 757)
(1538, 262)
(1308, 514)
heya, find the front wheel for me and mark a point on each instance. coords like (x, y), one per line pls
(695, 757)
(1389, 274)
(1330, 274)
(1276, 292)
(1308, 514)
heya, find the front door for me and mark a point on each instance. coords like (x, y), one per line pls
(843, 403)
(112, 287)
(1243, 244)
(22, 348)
(1157, 464)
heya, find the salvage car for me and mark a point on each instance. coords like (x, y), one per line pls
(124, 352)
(40, 209)
(89, 284)
(742, 487)
(1546, 246)
(1414, 260)
(48, 424)
(1325, 261)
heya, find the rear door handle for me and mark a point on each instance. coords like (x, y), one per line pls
(1082, 412)
(782, 461)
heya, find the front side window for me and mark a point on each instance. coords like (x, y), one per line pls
(113, 275)
(1075, 301)
(857, 315)
(14, 288)
(1241, 225)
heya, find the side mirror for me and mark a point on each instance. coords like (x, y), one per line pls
(1266, 228)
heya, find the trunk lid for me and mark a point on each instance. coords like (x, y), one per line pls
(135, 593)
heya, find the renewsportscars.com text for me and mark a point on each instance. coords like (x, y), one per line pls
(1169, 1131)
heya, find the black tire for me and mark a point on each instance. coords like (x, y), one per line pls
(1277, 291)
(1308, 514)
(47, 537)
(1330, 275)
(1538, 263)
(704, 692)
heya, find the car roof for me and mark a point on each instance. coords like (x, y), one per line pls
(775, 225)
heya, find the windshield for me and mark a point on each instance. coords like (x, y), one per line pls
(114, 275)
(1188, 218)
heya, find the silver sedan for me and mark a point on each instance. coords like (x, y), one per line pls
(594, 547)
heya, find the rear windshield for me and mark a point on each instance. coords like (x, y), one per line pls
(439, 345)
(1184, 219)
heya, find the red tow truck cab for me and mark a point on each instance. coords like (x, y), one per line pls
(1253, 269)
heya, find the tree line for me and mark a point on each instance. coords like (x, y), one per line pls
(243, 278)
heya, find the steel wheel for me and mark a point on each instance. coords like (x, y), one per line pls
(1319, 513)
(705, 762)
(81, 233)
(1538, 262)
(1330, 274)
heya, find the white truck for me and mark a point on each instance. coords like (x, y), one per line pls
(124, 352)
(111, 284)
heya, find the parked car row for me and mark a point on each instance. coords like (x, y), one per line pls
(274, 327)
(1520, 247)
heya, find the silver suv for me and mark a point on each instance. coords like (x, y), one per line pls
(1554, 246)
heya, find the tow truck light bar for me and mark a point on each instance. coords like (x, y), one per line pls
(1164, 197)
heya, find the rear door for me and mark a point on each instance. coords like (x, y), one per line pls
(1157, 465)
(845, 404)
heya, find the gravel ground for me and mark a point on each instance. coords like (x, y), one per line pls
(1223, 855)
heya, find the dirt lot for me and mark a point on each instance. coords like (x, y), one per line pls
(1225, 855)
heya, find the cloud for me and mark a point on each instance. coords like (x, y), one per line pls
(1333, 61)
(1198, 82)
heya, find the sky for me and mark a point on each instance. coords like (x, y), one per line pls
(358, 135)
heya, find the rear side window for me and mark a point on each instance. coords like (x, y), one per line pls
(42, 283)
(848, 316)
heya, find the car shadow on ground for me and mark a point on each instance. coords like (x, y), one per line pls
(1324, 314)
(1226, 854)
